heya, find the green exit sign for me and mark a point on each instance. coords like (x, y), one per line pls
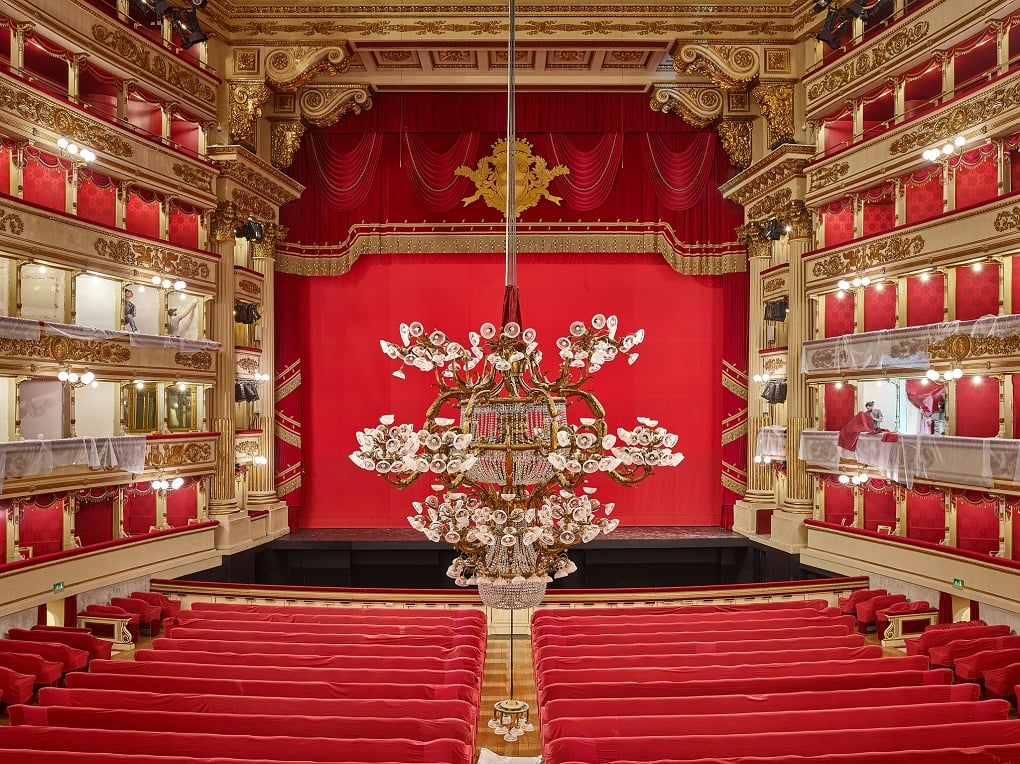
(58, 586)
(957, 582)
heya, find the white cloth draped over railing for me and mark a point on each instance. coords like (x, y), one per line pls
(12, 328)
(904, 348)
(39, 457)
(902, 458)
(771, 443)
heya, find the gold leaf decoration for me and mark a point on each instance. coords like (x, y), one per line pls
(150, 257)
(868, 255)
(532, 176)
(826, 176)
(54, 348)
(200, 361)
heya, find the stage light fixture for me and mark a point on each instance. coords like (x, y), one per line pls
(161, 8)
(832, 28)
(774, 230)
(199, 3)
(185, 24)
(821, 5)
(856, 9)
(252, 230)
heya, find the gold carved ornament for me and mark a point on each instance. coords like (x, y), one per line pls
(697, 106)
(1007, 220)
(200, 361)
(246, 447)
(532, 175)
(251, 205)
(775, 101)
(770, 203)
(273, 234)
(874, 253)
(61, 349)
(788, 169)
(177, 454)
(248, 364)
(194, 177)
(246, 102)
(773, 285)
(252, 288)
(285, 141)
(224, 221)
(774, 365)
(140, 255)
(731, 67)
(11, 223)
(323, 105)
(735, 135)
(826, 176)
(958, 347)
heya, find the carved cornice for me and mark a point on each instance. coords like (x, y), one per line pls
(290, 69)
(61, 349)
(735, 135)
(195, 177)
(44, 113)
(867, 255)
(274, 234)
(150, 257)
(828, 175)
(973, 112)
(865, 64)
(697, 105)
(11, 223)
(775, 101)
(224, 220)
(240, 165)
(200, 361)
(251, 205)
(246, 101)
(770, 203)
(177, 454)
(322, 105)
(146, 58)
(286, 140)
(958, 347)
(731, 67)
(786, 170)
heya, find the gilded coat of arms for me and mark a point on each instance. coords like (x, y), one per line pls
(532, 175)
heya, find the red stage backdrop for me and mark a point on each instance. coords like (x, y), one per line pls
(347, 382)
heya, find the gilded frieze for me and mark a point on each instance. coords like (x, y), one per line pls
(698, 106)
(775, 101)
(285, 141)
(248, 447)
(786, 170)
(248, 364)
(290, 69)
(323, 105)
(730, 67)
(865, 64)
(141, 255)
(200, 361)
(274, 233)
(258, 176)
(958, 347)
(973, 112)
(735, 135)
(197, 178)
(246, 101)
(159, 454)
(11, 223)
(1007, 220)
(61, 349)
(826, 176)
(143, 55)
(250, 288)
(251, 205)
(768, 204)
(868, 255)
(774, 285)
(70, 124)
(773, 366)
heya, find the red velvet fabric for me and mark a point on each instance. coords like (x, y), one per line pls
(862, 422)
(840, 405)
(626, 614)
(42, 525)
(297, 613)
(764, 644)
(71, 658)
(338, 617)
(331, 630)
(139, 512)
(392, 662)
(839, 313)
(182, 505)
(839, 226)
(382, 291)
(935, 637)
(1001, 682)
(848, 605)
(254, 705)
(977, 407)
(977, 291)
(15, 687)
(376, 640)
(93, 522)
(149, 615)
(168, 608)
(45, 183)
(867, 609)
(879, 307)
(312, 648)
(977, 178)
(945, 655)
(879, 504)
(879, 215)
(677, 636)
(96, 648)
(926, 516)
(142, 217)
(925, 298)
(241, 746)
(597, 623)
(183, 229)
(98, 203)
(924, 198)
(839, 503)
(43, 671)
(971, 668)
(900, 608)
(977, 522)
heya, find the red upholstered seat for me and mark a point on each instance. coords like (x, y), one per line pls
(972, 667)
(313, 648)
(944, 655)
(643, 647)
(44, 671)
(353, 639)
(392, 663)
(168, 607)
(626, 613)
(599, 627)
(901, 608)
(96, 647)
(848, 605)
(111, 611)
(15, 687)
(866, 610)
(664, 637)
(1001, 682)
(934, 637)
(71, 658)
(329, 630)
(979, 754)
(150, 620)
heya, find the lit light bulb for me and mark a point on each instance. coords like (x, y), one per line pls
(932, 374)
(62, 375)
(156, 280)
(167, 283)
(179, 285)
(87, 378)
(947, 149)
(72, 377)
(177, 483)
(72, 149)
(42, 269)
(959, 141)
(62, 142)
(844, 479)
(139, 385)
(977, 267)
(182, 386)
(843, 284)
(856, 282)
(839, 385)
(865, 281)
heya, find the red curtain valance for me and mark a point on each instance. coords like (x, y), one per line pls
(431, 172)
(592, 172)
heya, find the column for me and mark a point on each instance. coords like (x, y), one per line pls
(222, 499)
(261, 477)
(799, 500)
(760, 489)
(948, 75)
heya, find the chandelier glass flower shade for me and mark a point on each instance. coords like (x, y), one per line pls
(509, 449)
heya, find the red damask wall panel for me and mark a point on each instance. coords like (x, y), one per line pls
(879, 504)
(839, 314)
(977, 291)
(879, 307)
(977, 523)
(142, 217)
(139, 512)
(5, 170)
(977, 407)
(98, 205)
(45, 186)
(94, 521)
(926, 516)
(839, 503)
(879, 217)
(978, 184)
(183, 229)
(925, 299)
(42, 526)
(924, 201)
(182, 505)
(840, 405)
(839, 226)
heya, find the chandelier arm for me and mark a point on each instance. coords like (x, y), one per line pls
(402, 482)
(630, 477)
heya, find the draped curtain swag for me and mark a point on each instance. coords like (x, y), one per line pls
(344, 179)
(431, 172)
(592, 173)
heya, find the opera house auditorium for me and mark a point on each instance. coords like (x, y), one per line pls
(509, 383)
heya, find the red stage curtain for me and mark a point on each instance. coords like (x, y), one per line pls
(977, 407)
(42, 524)
(736, 310)
(977, 521)
(879, 307)
(93, 522)
(879, 504)
(923, 194)
(142, 214)
(430, 172)
(290, 290)
(977, 291)
(97, 198)
(925, 299)
(592, 172)
(139, 510)
(839, 313)
(182, 504)
(44, 180)
(341, 178)
(838, 220)
(840, 405)
(926, 514)
(690, 168)
(347, 384)
(839, 502)
(977, 177)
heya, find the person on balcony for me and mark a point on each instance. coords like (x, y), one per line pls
(128, 319)
(174, 321)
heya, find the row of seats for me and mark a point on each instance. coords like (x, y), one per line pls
(233, 683)
(871, 609)
(42, 656)
(758, 682)
(988, 655)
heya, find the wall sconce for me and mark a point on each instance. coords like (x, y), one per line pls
(161, 282)
(858, 478)
(74, 152)
(945, 151)
(945, 376)
(164, 486)
(75, 380)
(259, 460)
(761, 379)
(857, 282)
(261, 377)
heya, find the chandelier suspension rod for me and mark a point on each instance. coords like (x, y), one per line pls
(511, 296)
